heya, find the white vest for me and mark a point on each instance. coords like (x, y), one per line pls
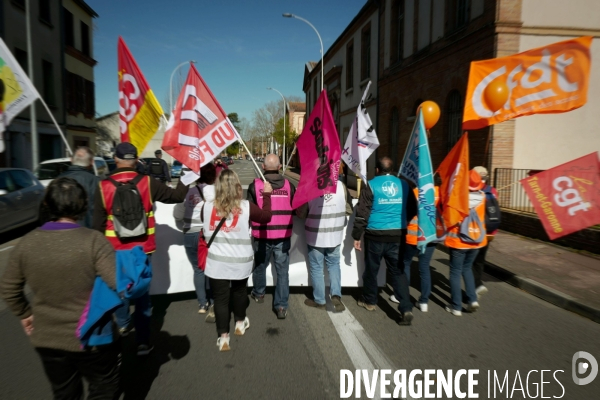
(324, 226)
(230, 255)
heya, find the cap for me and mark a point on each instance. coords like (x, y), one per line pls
(158, 152)
(475, 182)
(126, 151)
(482, 171)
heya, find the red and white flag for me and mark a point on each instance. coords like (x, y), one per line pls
(198, 130)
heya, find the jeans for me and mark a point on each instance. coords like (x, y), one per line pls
(390, 252)
(141, 317)
(331, 257)
(100, 367)
(424, 260)
(461, 261)
(190, 242)
(479, 264)
(280, 249)
(226, 291)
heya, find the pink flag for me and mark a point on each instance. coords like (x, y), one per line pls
(320, 153)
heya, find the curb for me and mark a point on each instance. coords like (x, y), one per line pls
(541, 291)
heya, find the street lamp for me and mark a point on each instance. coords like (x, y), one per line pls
(288, 15)
(171, 82)
(283, 98)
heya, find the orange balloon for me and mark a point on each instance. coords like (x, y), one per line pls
(431, 113)
(496, 94)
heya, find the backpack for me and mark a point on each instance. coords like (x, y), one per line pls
(156, 167)
(128, 212)
(493, 216)
(472, 229)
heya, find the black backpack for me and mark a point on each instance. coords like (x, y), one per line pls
(156, 167)
(493, 216)
(128, 213)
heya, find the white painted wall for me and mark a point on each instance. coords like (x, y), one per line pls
(561, 13)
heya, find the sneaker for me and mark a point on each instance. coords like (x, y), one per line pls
(481, 290)
(125, 330)
(281, 313)
(453, 311)
(312, 303)
(393, 299)
(144, 349)
(203, 309)
(210, 317)
(368, 307)
(474, 306)
(423, 307)
(241, 326)
(337, 303)
(406, 318)
(257, 298)
(223, 343)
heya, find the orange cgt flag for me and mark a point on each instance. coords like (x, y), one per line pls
(549, 79)
(454, 191)
(139, 110)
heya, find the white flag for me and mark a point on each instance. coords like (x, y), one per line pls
(16, 90)
(362, 140)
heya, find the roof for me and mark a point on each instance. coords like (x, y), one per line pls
(112, 114)
(86, 8)
(297, 106)
(311, 65)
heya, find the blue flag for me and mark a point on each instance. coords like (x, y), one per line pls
(416, 167)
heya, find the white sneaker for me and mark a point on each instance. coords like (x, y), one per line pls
(423, 307)
(223, 343)
(453, 311)
(481, 290)
(393, 299)
(474, 306)
(241, 326)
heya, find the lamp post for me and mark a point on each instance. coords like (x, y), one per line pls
(288, 15)
(283, 98)
(171, 82)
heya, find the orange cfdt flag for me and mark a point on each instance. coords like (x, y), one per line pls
(454, 191)
(548, 79)
(139, 111)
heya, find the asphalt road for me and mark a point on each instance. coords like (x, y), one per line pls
(301, 357)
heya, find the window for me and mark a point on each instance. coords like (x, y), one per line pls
(459, 13)
(454, 118)
(350, 66)
(394, 134)
(48, 82)
(365, 54)
(21, 179)
(315, 95)
(80, 95)
(69, 29)
(21, 56)
(398, 30)
(45, 11)
(6, 183)
(85, 39)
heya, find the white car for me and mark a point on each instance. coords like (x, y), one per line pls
(50, 169)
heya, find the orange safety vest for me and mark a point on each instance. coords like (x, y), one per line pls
(108, 189)
(453, 240)
(412, 230)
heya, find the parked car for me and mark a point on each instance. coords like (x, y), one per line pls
(112, 165)
(240, 158)
(50, 169)
(20, 198)
(229, 160)
(176, 169)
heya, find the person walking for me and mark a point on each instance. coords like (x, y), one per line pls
(158, 168)
(220, 165)
(464, 241)
(492, 217)
(324, 230)
(188, 212)
(107, 222)
(60, 262)
(230, 256)
(384, 207)
(273, 238)
(81, 169)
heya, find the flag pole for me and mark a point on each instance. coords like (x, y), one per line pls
(62, 135)
(408, 145)
(290, 159)
(246, 147)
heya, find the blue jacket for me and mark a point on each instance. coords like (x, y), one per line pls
(133, 272)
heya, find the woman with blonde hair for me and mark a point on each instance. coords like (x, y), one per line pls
(230, 256)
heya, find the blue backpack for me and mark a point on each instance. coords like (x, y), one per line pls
(493, 216)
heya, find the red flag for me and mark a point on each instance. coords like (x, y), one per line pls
(198, 130)
(139, 111)
(454, 191)
(566, 197)
(320, 153)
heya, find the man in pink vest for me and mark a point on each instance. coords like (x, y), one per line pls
(273, 239)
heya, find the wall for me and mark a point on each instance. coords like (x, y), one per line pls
(561, 13)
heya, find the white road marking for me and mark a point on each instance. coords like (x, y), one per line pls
(6, 248)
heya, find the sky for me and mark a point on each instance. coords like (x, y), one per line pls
(241, 47)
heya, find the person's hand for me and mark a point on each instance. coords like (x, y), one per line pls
(27, 324)
(357, 245)
(268, 188)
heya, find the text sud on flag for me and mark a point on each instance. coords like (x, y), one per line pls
(320, 152)
(139, 111)
(198, 130)
(548, 79)
(566, 197)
